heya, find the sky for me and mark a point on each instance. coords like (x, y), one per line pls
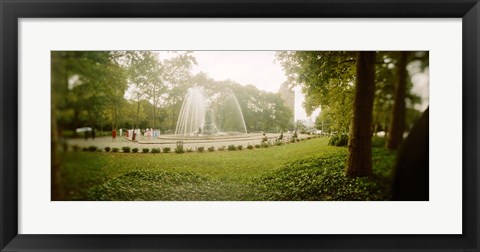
(259, 68)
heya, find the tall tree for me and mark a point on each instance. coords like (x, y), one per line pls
(360, 140)
(397, 126)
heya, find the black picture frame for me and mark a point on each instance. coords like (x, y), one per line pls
(11, 11)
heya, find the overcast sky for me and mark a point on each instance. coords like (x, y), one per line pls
(260, 69)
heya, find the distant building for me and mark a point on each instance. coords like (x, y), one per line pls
(288, 95)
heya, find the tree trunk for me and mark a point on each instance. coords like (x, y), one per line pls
(397, 125)
(360, 140)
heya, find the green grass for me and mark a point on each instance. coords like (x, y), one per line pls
(219, 175)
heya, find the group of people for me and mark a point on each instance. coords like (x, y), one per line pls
(132, 134)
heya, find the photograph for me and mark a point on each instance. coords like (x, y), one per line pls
(239, 125)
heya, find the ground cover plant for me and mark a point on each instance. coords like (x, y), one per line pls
(309, 170)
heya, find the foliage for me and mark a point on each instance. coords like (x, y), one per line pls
(126, 149)
(155, 150)
(92, 148)
(107, 149)
(339, 140)
(232, 147)
(200, 149)
(114, 149)
(166, 149)
(211, 148)
(323, 178)
(145, 150)
(179, 149)
(135, 150)
(249, 146)
(240, 147)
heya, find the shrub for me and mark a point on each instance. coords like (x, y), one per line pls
(339, 140)
(240, 147)
(126, 149)
(292, 140)
(222, 148)
(179, 149)
(76, 148)
(378, 141)
(155, 150)
(232, 147)
(250, 146)
(114, 149)
(189, 150)
(145, 150)
(211, 149)
(166, 149)
(257, 146)
(85, 149)
(135, 150)
(278, 143)
(201, 149)
(107, 149)
(265, 145)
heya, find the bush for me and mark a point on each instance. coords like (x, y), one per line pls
(145, 150)
(240, 147)
(378, 141)
(107, 149)
(278, 143)
(293, 140)
(166, 149)
(222, 148)
(250, 146)
(85, 149)
(339, 140)
(135, 150)
(201, 149)
(179, 149)
(232, 147)
(323, 178)
(155, 150)
(265, 145)
(257, 146)
(211, 149)
(126, 149)
(76, 148)
(114, 149)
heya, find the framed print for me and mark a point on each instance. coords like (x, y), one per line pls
(250, 126)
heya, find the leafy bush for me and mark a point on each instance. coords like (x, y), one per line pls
(126, 149)
(293, 140)
(179, 149)
(155, 150)
(257, 146)
(114, 149)
(232, 147)
(265, 145)
(201, 149)
(76, 148)
(211, 149)
(250, 146)
(189, 150)
(166, 149)
(135, 150)
(222, 148)
(278, 143)
(339, 140)
(85, 149)
(145, 150)
(323, 178)
(107, 149)
(378, 141)
(240, 147)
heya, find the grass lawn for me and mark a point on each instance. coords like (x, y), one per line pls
(308, 170)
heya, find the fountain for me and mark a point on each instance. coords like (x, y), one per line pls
(217, 114)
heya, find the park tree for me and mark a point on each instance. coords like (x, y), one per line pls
(402, 86)
(327, 76)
